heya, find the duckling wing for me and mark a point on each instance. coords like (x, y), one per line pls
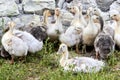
(69, 37)
(15, 46)
(18, 47)
(33, 44)
(83, 64)
(86, 64)
(53, 30)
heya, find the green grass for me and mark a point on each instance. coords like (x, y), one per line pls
(44, 65)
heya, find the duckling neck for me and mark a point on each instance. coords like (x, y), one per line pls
(64, 58)
(82, 19)
(118, 23)
(58, 20)
(76, 15)
(91, 21)
(45, 19)
(117, 27)
(11, 30)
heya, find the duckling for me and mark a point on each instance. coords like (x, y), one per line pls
(90, 32)
(108, 29)
(114, 14)
(98, 21)
(78, 64)
(104, 15)
(54, 30)
(78, 17)
(104, 45)
(39, 33)
(72, 35)
(10, 42)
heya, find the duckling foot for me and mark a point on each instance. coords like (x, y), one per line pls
(12, 59)
(77, 49)
(97, 55)
(84, 49)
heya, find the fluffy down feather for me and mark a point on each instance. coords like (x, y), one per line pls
(14, 45)
(71, 36)
(104, 45)
(33, 44)
(78, 64)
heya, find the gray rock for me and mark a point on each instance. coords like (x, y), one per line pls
(20, 8)
(31, 6)
(24, 21)
(3, 24)
(104, 5)
(115, 6)
(8, 8)
(85, 4)
(17, 1)
(67, 17)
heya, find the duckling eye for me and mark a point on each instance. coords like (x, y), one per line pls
(63, 46)
(97, 18)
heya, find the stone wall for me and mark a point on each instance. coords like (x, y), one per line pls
(21, 11)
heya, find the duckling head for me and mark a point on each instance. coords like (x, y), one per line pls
(90, 9)
(57, 11)
(96, 19)
(74, 10)
(114, 14)
(11, 25)
(62, 49)
(96, 11)
(47, 13)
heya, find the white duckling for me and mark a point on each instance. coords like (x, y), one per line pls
(98, 21)
(54, 30)
(33, 44)
(78, 64)
(90, 32)
(78, 17)
(72, 35)
(12, 44)
(115, 15)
